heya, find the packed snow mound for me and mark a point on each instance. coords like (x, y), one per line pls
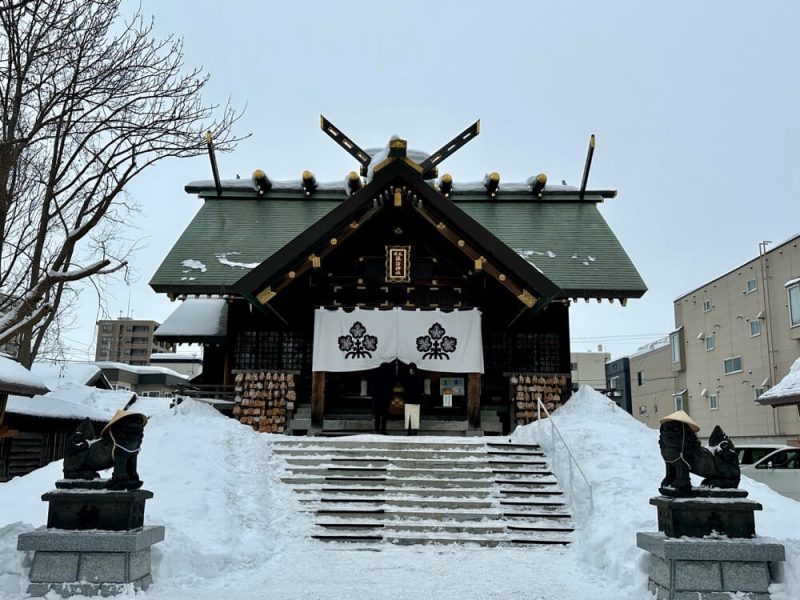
(621, 459)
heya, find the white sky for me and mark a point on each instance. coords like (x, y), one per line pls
(695, 108)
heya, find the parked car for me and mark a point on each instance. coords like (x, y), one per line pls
(750, 453)
(779, 469)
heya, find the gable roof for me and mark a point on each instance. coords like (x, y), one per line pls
(444, 215)
(564, 237)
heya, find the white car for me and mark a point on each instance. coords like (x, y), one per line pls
(779, 469)
(750, 453)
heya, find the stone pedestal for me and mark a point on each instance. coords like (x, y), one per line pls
(89, 563)
(82, 508)
(95, 542)
(730, 514)
(709, 568)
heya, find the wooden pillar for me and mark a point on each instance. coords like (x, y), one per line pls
(3, 429)
(474, 399)
(317, 397)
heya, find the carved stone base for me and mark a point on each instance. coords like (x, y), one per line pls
(86, 508)
(709, 569)
(89, 563)
(700, 517)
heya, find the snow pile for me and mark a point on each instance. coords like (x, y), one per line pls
(217, 491)
(621, 459)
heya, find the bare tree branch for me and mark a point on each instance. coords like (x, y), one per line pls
(88, 102)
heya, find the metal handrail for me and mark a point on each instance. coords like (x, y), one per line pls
(541, 407)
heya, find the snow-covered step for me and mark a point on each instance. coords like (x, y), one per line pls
(412, 491)
(388, 481)
(407, 492)
(388, 453)
(386, 444)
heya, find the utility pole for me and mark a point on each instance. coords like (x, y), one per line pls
(762, 255)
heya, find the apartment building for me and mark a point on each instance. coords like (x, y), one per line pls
(735, 337)
(589, 368)
(128, 341)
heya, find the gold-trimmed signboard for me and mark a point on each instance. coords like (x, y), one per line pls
(398, 264)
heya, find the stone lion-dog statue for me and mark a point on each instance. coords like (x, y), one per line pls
(683, 454)
(118, 447)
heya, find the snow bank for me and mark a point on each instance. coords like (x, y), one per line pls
(621, 459)
(217, 491)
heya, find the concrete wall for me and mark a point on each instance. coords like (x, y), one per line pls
(724, 309)
(589, 368)
(653, 397)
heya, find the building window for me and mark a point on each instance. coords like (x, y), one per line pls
(712, 402)
(614, 383)
(794, 304)
(752, 286)
(759, 391)
(679, 400)
(706, 305)
(640, 378)
(709, 343)
(732, 365)
(755, 328)
(574, 366)
(675, 345)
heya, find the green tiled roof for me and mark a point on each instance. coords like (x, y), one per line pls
(566, 239)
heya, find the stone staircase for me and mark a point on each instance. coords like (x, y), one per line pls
(417, 491)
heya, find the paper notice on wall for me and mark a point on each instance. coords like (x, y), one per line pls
(447, 400)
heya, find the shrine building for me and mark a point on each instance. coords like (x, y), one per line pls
(299, 290)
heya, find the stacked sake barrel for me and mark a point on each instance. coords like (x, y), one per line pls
(265, 400)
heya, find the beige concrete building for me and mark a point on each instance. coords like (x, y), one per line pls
(128, 341)
(735, 337)
(589, 368)
(652, 382)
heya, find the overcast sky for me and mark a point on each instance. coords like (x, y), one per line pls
(696, 108)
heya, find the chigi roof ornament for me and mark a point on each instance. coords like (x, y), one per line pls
(397, 149)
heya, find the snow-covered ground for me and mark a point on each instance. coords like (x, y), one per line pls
(233, 530)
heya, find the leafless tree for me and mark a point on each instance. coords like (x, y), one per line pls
(89, 100)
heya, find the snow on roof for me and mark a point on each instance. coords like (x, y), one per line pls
(791, 282)
(16, 379)
(787, 390)
(71, 401)
(651, 347)
(56, 374)
(74, 401)
(196, 318)
(175, 357)
(139, 370)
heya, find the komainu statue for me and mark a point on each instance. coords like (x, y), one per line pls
(118, 447)
(683, 454)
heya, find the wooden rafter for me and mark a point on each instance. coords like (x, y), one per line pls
(525, 296)
(314, 260)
